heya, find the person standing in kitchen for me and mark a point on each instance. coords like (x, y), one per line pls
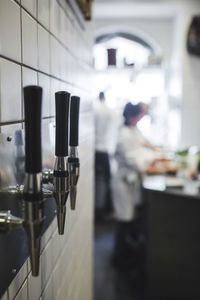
(134, 155)
(103, 136)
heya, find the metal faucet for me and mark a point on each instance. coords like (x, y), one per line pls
(73, 159)
(31, 194)
(59, 177)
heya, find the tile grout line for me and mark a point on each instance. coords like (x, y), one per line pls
(26, 279)
(58, 40)
(22, 121)
(74, 13)
(42, 72)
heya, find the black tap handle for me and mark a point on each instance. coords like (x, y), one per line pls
(62, 118)
(32, 108)
(74, 121)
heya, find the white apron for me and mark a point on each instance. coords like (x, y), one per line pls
(132, 160)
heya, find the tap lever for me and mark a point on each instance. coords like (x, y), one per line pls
(32, 107)
(62, 99)
(74, 121)
(73, 159)
(33, 165)
(61, 176)
(61, 190)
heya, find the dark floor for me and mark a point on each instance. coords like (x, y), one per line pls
(111, 282)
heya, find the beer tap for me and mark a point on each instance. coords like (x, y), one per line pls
(73, 159)
(32, 193)
(61, 175)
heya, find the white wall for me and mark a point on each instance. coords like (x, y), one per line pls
(41, 42)
(191, 88)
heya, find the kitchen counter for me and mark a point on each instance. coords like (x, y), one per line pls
(173, 240)
(172, 185)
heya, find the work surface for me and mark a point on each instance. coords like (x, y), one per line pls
(172, 185)
(173, 241)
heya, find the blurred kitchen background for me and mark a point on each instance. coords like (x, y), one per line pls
(146, 51)
(152, 64)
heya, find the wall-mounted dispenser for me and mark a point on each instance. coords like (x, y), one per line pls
(33, 212)
(73, 159)
(31, 194)
(61, 175)
(64, 176)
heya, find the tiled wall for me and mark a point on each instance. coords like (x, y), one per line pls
(43, 42)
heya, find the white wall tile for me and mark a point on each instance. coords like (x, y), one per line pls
(29, 77)
(43, 50)
(54, 225)
(5, 296)
(34, 286)
(30, 5)
(23, 293)
(55, 18)
(66, 35)
(56, 281)
(55, 49)
(64, 28)
(43, 12)
(44, 82)
(10, 33)
(64, 63)
(46, 237)
(10, 129)
(66, 8)
(48, 292)
(56, 247)
(55, 87)
(10, 91)
(46, 264)
(29, 36)
(65, 87)
(18, 281)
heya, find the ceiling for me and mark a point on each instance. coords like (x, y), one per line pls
(135, 9)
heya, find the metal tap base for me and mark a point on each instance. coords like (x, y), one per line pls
(33, 221)
(74, 171)
(61, 191)
(73, 193)
(61, 215)
(33, 217)
(61, 198)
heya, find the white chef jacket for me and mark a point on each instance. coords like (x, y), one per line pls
(103, 120)
(132, 159)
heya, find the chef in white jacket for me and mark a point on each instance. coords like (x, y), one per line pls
(103, 136)
(134, 154)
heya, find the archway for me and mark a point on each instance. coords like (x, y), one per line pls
(134, 34)
(143, 82)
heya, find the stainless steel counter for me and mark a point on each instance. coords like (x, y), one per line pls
(172, 185)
